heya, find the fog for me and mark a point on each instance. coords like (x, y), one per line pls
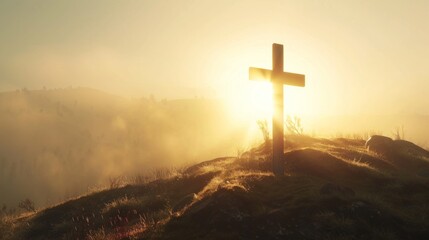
(365, 64)
(56, 144)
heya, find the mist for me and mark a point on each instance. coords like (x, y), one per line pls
(61, 143)
(365, 65)
(57, 144)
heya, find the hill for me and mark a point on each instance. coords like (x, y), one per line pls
(332, 189)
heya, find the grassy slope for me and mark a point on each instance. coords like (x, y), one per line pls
(332, 189)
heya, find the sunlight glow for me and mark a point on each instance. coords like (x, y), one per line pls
(254, 101)
(259, 99)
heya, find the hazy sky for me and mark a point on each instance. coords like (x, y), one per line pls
(358, 56)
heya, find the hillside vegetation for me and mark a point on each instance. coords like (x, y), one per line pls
(332, 189)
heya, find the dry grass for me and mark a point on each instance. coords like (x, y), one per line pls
(240, 198)
(6, 227)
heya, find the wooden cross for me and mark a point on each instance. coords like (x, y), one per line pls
(278, 79)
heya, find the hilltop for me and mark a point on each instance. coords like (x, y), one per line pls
(60, 143)
(332, 189)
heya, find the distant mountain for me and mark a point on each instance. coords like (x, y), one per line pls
(55, 144)
(332, 189)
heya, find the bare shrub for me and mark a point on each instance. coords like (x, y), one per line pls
(399, 133)
(263, 127)
(293, 125)
(141, 179)
(156, 174)
(27, 205)
(115, 182)
(240, 152)
(164, 173)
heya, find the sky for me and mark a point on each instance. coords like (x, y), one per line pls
(359, 57)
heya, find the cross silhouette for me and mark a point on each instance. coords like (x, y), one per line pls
(278, 79)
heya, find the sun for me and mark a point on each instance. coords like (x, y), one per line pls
(254, 101)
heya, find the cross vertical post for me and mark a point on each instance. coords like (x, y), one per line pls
(278, 78)
(278, 129)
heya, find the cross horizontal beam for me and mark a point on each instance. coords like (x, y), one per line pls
(286, 78)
